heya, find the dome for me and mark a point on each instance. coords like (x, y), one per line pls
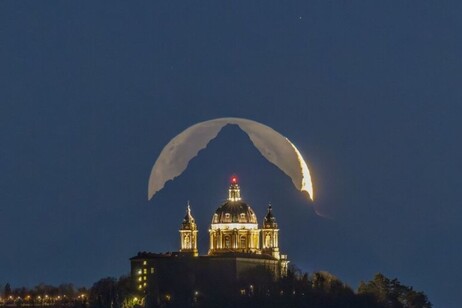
(234, 227)
(234, 212)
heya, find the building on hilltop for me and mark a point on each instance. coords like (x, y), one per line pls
(237, 247)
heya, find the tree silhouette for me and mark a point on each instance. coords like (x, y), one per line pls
(390, 293)
(103, 292)
(255, 287)
(7, 290)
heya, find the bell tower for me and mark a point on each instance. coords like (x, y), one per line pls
(270, 235)
(188, 234)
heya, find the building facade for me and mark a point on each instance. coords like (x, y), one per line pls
(237, 246)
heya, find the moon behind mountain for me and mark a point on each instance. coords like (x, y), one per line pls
(277, 149)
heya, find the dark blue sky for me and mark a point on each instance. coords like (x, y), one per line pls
(370, 93)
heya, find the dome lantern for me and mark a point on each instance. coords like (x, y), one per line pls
(234, 192)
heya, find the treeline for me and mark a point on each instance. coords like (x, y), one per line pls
(324, 290)
(255, 288)
(105, 293)
(65, 294)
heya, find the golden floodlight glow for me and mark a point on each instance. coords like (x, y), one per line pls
(307, 185)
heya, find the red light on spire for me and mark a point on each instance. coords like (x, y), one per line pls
(234, 179)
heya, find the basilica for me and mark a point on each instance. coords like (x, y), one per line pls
(238, 246)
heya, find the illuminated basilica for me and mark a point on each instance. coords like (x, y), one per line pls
(237, 245)
(234, 229)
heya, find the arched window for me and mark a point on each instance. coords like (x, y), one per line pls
(187, 242)
(267, 240)
(227, 242)
(243, 242)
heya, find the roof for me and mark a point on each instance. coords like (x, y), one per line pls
(151, 255)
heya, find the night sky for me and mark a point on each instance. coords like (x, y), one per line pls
(370, 93)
